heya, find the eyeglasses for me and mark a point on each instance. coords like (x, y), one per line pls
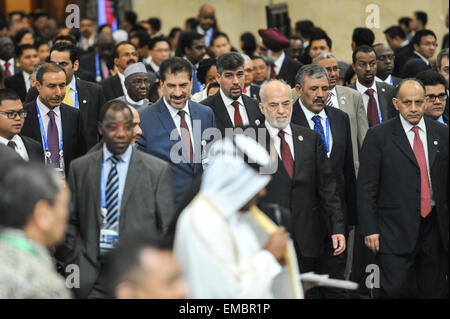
(383, 58)
(12, 115)
(442, 97)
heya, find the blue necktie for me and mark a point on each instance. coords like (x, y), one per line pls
(196, 85)
(318, 126)
(112, 196)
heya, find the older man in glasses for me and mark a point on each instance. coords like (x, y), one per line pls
(12, 116)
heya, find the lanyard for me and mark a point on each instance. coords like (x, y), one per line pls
(98, 75)
(327, 135)
(75, 102)
(44, 137)
(20, 243)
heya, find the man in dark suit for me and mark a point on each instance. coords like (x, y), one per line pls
(124, 54)
(83, 95)
(435, 90)
(231, 107)
(7, 60)
(116, 191)
(385, 64)
(281, 66)
(94, 62)
(173, 129)
(403, 51)
(27, 56)
(12, 116)
(55, 125)
(403, 187)
(249, 89)
(424, 44)
(377, 96)
(304, 181)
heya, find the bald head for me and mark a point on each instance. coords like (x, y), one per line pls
(276, 104)
(409, 100)
(206, 16)
(385, 60)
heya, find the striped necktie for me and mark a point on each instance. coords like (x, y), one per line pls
(112, 196)
(329, 101)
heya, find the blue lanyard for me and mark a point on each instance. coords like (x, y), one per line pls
(75, 102)
(98, 75)
(102, 187)
(44, 136)
(327, 135)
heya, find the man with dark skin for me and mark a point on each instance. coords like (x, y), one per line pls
(385, 64)
(206, 19)
(6, 54)
(137, 85)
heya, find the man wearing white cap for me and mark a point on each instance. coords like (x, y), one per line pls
(137, 85)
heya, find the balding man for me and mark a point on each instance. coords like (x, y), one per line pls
(207, 22)
(402, 195)
(385, 64)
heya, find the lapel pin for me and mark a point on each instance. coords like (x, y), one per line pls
(300, 138)
(203, 143)
(84, 101)
(257, 122)
(435, 142)
(383, 90)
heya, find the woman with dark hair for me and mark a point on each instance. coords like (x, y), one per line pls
(43, 50)
(350, 76)
(206, 74)
(248, 44)
(23, 36)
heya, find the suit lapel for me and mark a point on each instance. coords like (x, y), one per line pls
(132, 176)
(221, 111)
(433, 144)
(82, 95)
(401, 140)
(118, 86)
(34, 123)
(382, 99)
(95, 173)
(298, 116)
(166, 118)
(297, 140)
(335, 128)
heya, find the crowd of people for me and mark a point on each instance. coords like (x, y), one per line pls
(179, 166)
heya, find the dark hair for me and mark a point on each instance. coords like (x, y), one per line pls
(41, 184)
(185, 41)
(204, 66)
(248, 43)
(304, 27)
(173, 32)
(212, 85)
(21, 48)
(398, 86)
(442, 54)
(46, 68)
(431, 77)
(131, 17)
(362, 48)
(153, 94)
(405, 21)
(66, 47)
(256, 57)
(229, 61)
(155, 23)
(8, 94)
(217, 35)
(100, 28)
(420, 34)
(363, 36)
(155, 40)
(125, 258)
(40, 43)
(135, 28)
(321, 37)
(20, 34)
(142, 37)
(175, 65)
(192, 23)
(21, 13)
(422, 17)
(116, 105)
(62, 37)
(394, 32)
(348, 76)
(116, 48)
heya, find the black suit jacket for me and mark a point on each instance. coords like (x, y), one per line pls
(289, 70)
(388, 186)
(254, 92)
(17, 84)
(402, 55)
(74, 144)
(34, 149)
(90, 101)
(341, 156)
(87, 66)
(414, 66)
(223, 119)
(385, 94)
(112, 88)
(311, 196)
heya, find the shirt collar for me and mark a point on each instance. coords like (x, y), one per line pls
(404, 43)
(131, 101)
(361, 88)
(124, 157)
(408, 126)
(309, 114)
(72, 84)
(424, 59)
(273, 131)
(121, 77)
(279, 62)
(227, 101)
(43, 109)
(174, 111)
(333, 90)
(153, 65)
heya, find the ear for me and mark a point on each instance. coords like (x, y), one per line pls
(42, 215)
(353, 67)
(261, 108)
(416, 47)
(217, 77)
(38, 86)
(76, 65)
(298, 89)
(116, 61)
(395, 102)
(100, 128)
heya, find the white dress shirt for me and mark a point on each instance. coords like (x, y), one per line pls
(20, 146)
(26, 78)
(273, 132)
(388, 80)
(323, 119)
(153, 65)
(230, 108)
(11, 65)
(362, 89)
(423, 136)
(278, 63)
(177, 119)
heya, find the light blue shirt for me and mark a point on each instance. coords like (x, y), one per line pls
(122, 169)
(441, 120)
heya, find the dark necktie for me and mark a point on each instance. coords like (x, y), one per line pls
(372, 109)
(53, 139)
(329, 101)
(237, 115)
(7, 71)
(12, 144)
(273, 74)
(286, 155)
(186, 137)
(318, 127)
(425, 196)
(112, 195)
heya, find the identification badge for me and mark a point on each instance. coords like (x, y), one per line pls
(108, 238)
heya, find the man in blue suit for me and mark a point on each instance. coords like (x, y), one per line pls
(175, 129)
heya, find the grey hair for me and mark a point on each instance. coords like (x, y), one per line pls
(398, 86)
(323, 55)
(262, 89)
(36, 68)
(442, 54)
(314, 71)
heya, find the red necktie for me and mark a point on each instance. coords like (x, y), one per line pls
(286, 155)
(425, 196)
(186, 137)
(237, 114)
(273, 74)
(372, 109)
(7, 72)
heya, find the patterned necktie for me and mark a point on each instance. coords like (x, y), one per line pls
(425, 196)
(372, 109)
(186, 137)
(329, 101)
(318, 127)
(7, 71)
(286, 155)
(12, 144)
(67, 99)
(53, 139)
(237, 115)
(112, 195)
(273, 74)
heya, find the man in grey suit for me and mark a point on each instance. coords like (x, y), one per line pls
(115, 191)
(137, 85)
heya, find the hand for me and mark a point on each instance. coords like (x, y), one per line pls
(276, 244)
(373, 242)
(338, 243)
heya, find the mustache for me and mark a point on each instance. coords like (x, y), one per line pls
(319, 100)
(131, 61)
(178, 97)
